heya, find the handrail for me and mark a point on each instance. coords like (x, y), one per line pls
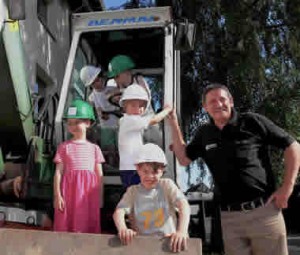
(65, 88)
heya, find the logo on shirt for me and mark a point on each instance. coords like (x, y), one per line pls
(210, 146)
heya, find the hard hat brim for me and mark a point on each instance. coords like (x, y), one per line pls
(93, 78)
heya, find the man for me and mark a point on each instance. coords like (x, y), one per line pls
(236, 149)
(11, 181)
(11, 187)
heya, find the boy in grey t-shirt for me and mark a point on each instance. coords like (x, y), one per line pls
(153, 203)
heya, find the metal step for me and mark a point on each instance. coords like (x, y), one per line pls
(24, 242)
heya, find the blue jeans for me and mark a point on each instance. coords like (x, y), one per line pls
(129, 177)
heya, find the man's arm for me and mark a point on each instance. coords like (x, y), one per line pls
(291, 169)
(178, 145)
(7, 187)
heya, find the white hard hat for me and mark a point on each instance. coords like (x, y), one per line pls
(88, 74)
(134, 91)
(151, 152)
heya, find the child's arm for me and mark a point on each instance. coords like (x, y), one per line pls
(125, 234)
(99, 171)
(178, 240)
(59, 202)
(160, 116)
(102, 114)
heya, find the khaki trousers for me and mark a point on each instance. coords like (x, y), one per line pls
(256, 232)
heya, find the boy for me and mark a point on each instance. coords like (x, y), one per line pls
(153, 203)
(120, 68)
(134, 101)
(108, 113)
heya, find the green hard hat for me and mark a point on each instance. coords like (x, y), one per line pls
(119, 64)
(80, 110)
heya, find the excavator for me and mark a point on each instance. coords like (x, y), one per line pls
(32, 126)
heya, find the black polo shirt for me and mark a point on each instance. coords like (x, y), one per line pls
(238, 155)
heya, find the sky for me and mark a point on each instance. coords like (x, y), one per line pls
(116, 3)
(113, 3)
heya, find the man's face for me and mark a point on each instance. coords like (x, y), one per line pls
(219, 105)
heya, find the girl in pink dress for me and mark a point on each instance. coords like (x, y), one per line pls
(78, 176)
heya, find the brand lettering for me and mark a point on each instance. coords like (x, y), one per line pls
(121, 21)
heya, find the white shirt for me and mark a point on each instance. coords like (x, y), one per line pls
(131, 138)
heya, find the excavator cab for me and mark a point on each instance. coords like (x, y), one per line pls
(30, 132)
(147, 37)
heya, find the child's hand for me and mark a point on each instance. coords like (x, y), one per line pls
(172, 115)
(178, 241)
(126, 235)
(59, 203)
(168, 108)
(104, 116)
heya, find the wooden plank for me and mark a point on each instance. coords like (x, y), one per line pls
(36, 242)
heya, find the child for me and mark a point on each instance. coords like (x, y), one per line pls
(120, 68)
(108, 113)
(78, 175)
(153, 203)
(134, 101)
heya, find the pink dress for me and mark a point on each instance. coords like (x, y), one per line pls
(80, 187)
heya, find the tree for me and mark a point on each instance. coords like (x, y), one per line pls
(252, 47)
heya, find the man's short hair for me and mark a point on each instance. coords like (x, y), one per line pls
(213, 86)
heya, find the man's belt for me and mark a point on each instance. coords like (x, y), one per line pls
(245, 206)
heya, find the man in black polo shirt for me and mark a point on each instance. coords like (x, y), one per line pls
(236, 149)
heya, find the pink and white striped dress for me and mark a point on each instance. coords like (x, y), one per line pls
(80, 187)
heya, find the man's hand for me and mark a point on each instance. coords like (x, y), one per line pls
(126, 235)
(17, 185)
(281, 196)
(178, 241)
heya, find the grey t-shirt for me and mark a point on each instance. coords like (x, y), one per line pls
(153, 212)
